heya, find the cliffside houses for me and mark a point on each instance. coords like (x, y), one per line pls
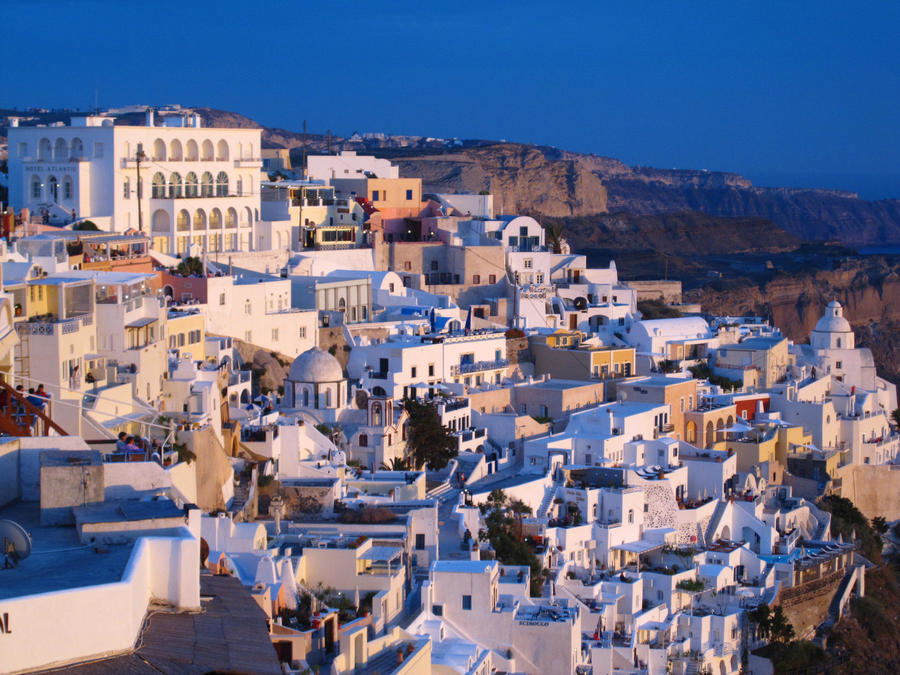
(220, 382)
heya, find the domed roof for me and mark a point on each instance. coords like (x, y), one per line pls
(315, 365)
(833, 320)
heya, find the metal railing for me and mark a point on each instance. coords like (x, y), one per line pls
(478, 366)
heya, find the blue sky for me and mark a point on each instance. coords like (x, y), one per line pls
(794, 93)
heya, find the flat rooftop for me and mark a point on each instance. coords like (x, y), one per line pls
(58, 559)
(560, 385)
(228, 636)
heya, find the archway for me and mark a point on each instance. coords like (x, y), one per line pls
(222, 151)
(191, 154)
(161, 221)
(175, 150)
(206, 151)
(60, 149)
(76, 150)
(159, 150)
(53, 184)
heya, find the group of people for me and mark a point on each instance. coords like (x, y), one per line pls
(135, 445)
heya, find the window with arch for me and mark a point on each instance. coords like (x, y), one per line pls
(191, 152)
(68, 187)
(222, 184)
(158, 191)
(190, 184)
(175, 150)
(60, 149)
(183, 221)
(159, 150)
(206, 151)
(215, 219)
(45, 150)
(376, 415)
(36, 187)
(53, 185)
(199, 219)
(230, 218)
(630, 515)
(221, 151)
(206, 184)
(77, 148)
(175, 186)
(160, 221)
(342, 305)
(247, 217)
(247, 307)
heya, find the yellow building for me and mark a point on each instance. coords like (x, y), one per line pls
(187, 333)
(394, 193)
(561, 355)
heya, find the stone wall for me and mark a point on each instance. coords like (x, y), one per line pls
(875, 490)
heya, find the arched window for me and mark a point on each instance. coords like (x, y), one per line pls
(36, 187)
(53, 185)
(175, 150)
(68, 188)
(184, 221)
(221, 151)
(246, 217)
(76, 150)
(342, 305)
(161, 222)
(215, 219)
(363, 440)
(60, 149)
(239, 186)
(230, 218)
(691, 432)
(376, 415)
(191, 153)
(190, 184)
(206, 151)
(378, 391)
(175, 186)
(45, 150)
(206, 184)
(159, 186)
(222, 184)
(199, 219)
(630, 515)
(159, 150)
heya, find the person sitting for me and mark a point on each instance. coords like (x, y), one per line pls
(130, 446)
(34, 399)
(120, 443)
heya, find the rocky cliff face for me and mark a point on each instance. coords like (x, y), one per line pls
(558, 183)
(523, 179)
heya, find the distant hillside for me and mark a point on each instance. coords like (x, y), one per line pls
(527, 179)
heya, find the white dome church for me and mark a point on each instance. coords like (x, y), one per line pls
(315, 381)
(833, 331)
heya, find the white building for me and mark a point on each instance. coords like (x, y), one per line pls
(199, 186)
(349, 165)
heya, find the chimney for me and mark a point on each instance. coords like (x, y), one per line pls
(150, 121)
(198, 122)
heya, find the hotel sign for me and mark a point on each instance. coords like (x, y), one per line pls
(51, 168)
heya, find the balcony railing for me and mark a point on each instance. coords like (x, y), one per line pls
(53, 326)
(478, 366)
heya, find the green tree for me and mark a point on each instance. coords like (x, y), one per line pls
(879, 524)
(504, 533)
(429, 442)
(848, 521)
(896, 416)
(761, 617)
(396, 464)
(554, 236)
(780, 628)
(189, 266)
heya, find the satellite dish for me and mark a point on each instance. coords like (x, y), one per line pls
(16, 543)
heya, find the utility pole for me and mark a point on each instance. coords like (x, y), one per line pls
(140, 192)
(303, 159)
(329, 142)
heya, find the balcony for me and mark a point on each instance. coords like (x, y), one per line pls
(478, 366)
(49, 325)
(248, 163)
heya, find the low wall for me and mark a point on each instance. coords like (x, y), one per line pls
(78, 624)
(875, 490)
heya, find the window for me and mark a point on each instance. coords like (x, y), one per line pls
(492, 279)
(838, 364)
(412, 371)
(302, 331)
(248, 336)
(430, 370)
(126, 189)
(407, 265)
(476, 279)
(434, 265)
(527, 263)
(363, 440)
(467, 602)
(437, 610)
(246, 307)
(222, 298)
(98, 150)
(540, 278)
(35, 187)
(409, 195)
(420, 542)
(274, 335)
(374, 195)
(222, 184)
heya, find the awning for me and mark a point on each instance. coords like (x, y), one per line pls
(140, 323)
(640, 546)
